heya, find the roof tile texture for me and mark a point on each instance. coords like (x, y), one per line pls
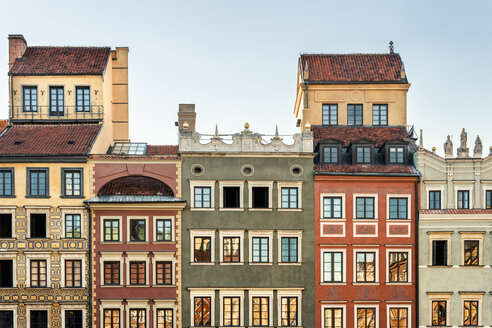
(377, 169)
(347, 135)
(136, 185)
(457, 211)
(162, 150)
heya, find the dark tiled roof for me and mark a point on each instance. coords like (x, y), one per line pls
(45, 140)
(61, 61)
(362, 169)
(136, 185)
(347, 135)
(456, 211)
(354, 68)
(162, 150)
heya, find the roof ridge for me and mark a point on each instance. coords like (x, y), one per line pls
(72, 47)
(349, 54)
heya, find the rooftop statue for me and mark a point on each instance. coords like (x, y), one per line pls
(477, 150)
(463, 138)
(448, 147)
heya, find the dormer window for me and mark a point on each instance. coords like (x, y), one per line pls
(363, 155)
(396, 155)
(331, 154)
(330, 114)
(354, 114)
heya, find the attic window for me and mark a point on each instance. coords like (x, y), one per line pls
(129, 148)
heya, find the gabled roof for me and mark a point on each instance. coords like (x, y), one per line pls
(353, 68)
(379, 135)
(61, 61)
(48, 140)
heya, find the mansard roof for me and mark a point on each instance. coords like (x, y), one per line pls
(135, 186)
(349, 134)
(405, 170)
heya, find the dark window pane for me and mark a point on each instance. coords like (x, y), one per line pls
(260, 197)
(439, 252)
(231, 197)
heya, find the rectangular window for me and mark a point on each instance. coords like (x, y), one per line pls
(72, 226)
(231, 249)
(260, 197)
(439, 252)
(363, 155)
(39, 318)
(137, 229)
(434, 200)
(470, 313)
(203, 311)
(332, 207)
(164, 273)
(83, 100)
(354, 114)
(56, 101)
(112, 318)
(30, 99)
(6, 274)
(111, 230)
(5, 226)
(488, 198)
(366, 318)
(7, 319)
(332, 267)
(38, 225)
(398, 267)
(330, 155)
(73, 319)
(111, 272)
(164, 230)
(289, 249)
(333, 318)
(463, 199)
(73, 273)
(203, 252)
(260, 250)
(261, 311)
(471, 256)
(380, 115)
(231, 197)
(289, 311)
(365, 207)
(6, 183)
(439, 309)
(330, 114)
(38, 273)
(396, 155)
(232, 314)
(289, 197)
(138, 318)
(37, 183)
(165, 318)
(137, 273)
(398, 318)
(72, 183)
(398, 208)
(203, 197)
(366, 266)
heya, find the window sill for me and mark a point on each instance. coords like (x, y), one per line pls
(161, 286)
(110, 242)
(232, 209)
(202, 209)
(164, 242)
(73, 288)
(333, 219)
(333, 284)
(137, 241)
(231, 263)
(397, 220)
(472, 266)
(38, 238)
(8, 196)
(289, 209)
(40, 197)
(74, 197)
(202, 263)
(367, 283)
(290, 263)
(398, 283)
(364, 219)
(260, 209)
(110, 286)
(136, 286)
(74, 239)
(439, 266)
(260, 263)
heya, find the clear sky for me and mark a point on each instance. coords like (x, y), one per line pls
(237, 60)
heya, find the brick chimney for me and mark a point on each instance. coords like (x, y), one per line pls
(187, 114)
(17, 46)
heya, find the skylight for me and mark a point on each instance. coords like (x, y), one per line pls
(129, 148)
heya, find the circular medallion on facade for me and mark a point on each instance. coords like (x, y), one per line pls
(247, 170)
(296, 170)
(355, 95)
(197, 170)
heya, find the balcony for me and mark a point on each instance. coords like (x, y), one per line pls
(91, 113)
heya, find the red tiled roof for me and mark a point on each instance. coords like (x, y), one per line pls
(457, 211)
(39, 140)
(162, 150)
(3, 125)
(355, 68)
(61, 61)
(372, 169)
(347, 135)
(136, 185)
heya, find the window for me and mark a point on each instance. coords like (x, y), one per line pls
(289, 197)
(129, 148)
(470, 313)
(72, 226)
(363, 155)
(231, 308)
(365, 208)
(6, 183)
(366, 266)
(165, 318)
(231, 249)
(289, 249)
(72, 183)
(138, 318)
(380, 115)
(434, 200)
(137, 229)
(398, 267)
(39, 318)
(202, 197)
(488, 197)
(112, 318)
(203, 249)
(38, 273)
(83, 100)
(366, 318)
(203, 311)
(56, 101)
(354, 114)
(261, 253)
(137, 273)
(463, 199)
(5, 225)
(164, 273)
(333, 317)
(111, 273)
(231, 197)
(439, 252)
(289, 311)
(471, 252)
(261, 311)
(30, 99)
(6, 274)
(332, 267)
(398, 208)
(260, 197)
(38, 225)
(330, 155)
(73, 273)
(7, 319)
(330, 114)
(164, 230)
(439, 310)
(398, 317)
(73, 319)
(111, 230)
(396, 155)
(332, 207)
(37, 183)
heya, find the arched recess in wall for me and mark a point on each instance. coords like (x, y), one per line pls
(136, 185)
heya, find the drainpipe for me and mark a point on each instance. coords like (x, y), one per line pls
(416, 265)
(11, 98)
(89, 260)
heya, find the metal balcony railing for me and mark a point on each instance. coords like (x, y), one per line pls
(57, 113)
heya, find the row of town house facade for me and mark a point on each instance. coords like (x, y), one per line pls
(351, 223)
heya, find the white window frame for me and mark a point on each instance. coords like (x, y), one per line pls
(154, 228)
(137, 304)
(440, 297)
(376, 266)
(76, 308)
(400, 306)
(261, 233)
(38, 210)
(163, 257)
(10, 255)
(269, 185)
(112, 304)
(344, 268)
(137, 257)
(363, 306)
(69, 211)
(409, 265)
(38, 256)
(485, 186)
(235, 183)
(432, 187)
(472, 236)
(232, 293)
(289, 293)
(202, 233)
(13, 308)
(202, 292)
(441, 236)
(376, 206)
(463, 187)
(10, 210)
(334, 306)
(289, 233)
(471, 297)
(164, 304)
(66, 256)
(232, 233)
(202, 183)
(111, 257)
(30, 308)
(289, 184)
(321, 209)
(128, 219)
(261, 293)
(120, 228)
(409, 206)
